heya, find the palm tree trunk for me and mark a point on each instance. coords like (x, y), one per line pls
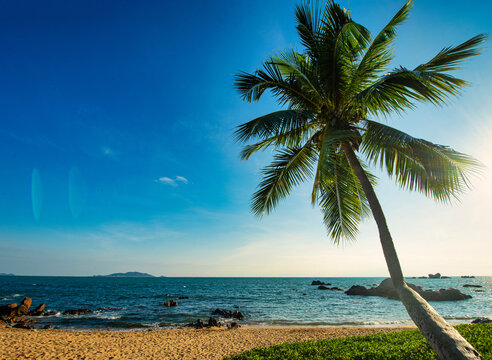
(442, 337)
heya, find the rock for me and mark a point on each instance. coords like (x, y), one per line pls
(445, 277)
(213, 322)
(229, 314)
(7, 311)
(467, 277)
(474, 286)
(317, 282)
(50, 312)
(77, 311)
(479, 291)
(422, 277)
(170, 303)
(233, 325)
(322, 287)
(481, 320)
(435, 276)
(39, 311)
(238, 315)
(47, 327)
(23, 308)
(386, 289)
(199, 324)
(183, 297)
(24, 325)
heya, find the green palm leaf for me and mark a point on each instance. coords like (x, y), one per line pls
(340, 198)
(416, 164)
(290, 167)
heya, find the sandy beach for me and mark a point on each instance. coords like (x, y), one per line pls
(160, 344)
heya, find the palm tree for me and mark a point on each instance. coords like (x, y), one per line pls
(333, 90)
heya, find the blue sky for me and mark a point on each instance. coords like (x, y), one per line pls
(116, 123)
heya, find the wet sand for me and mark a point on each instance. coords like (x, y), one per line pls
(160, 344)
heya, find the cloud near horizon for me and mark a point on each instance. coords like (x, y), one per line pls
(173, 182)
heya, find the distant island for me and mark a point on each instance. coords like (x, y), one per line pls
(127, 274)
(5, 274)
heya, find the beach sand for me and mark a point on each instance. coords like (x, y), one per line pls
(160, 344)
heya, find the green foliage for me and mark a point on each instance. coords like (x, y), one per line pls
(330, 88)
(405, 345)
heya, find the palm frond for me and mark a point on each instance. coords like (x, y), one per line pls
(309, 16)
(341, 198)
(290, 167)
(380, 53)
(450, 58)
(291, 122)
(287, 90)
(416, 164)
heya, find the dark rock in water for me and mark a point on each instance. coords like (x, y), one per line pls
(435, 276)
(183, 297)
(479, 291)
(39, 311)
(170, 303)
(317, 282)
(233, 325)
(23, 309)
(422, 277)
(77, 311)
(199, 324)
(474, 286)
(236, 307)
(9, 310)
(386, 289)
(445, 277)
(322, 287)
(229, 314)
(467, 277)
(167, 295)
(24, 325)
(212, 322)
(50, 312)
(481, 320)
(47, 327)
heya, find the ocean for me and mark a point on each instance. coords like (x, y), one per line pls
(138, 303)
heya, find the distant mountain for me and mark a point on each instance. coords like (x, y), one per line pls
(5, 274)
(128, 274)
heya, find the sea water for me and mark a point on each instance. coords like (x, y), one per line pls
(138, 303)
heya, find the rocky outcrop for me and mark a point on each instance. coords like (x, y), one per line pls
(229, 314)
(23, 308)
(171, 303)
(77, 311)
(435, 276)
(39, 311)
(199, 324)
(317, 282)
(322, 287)
(471, 285)
(8, 311)
(233, 325)
(386, 289)
(481, 320)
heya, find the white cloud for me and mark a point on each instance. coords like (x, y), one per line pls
(173, 182)
(182, 179)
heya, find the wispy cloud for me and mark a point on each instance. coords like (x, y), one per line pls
(173, 182)
(107, 151)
